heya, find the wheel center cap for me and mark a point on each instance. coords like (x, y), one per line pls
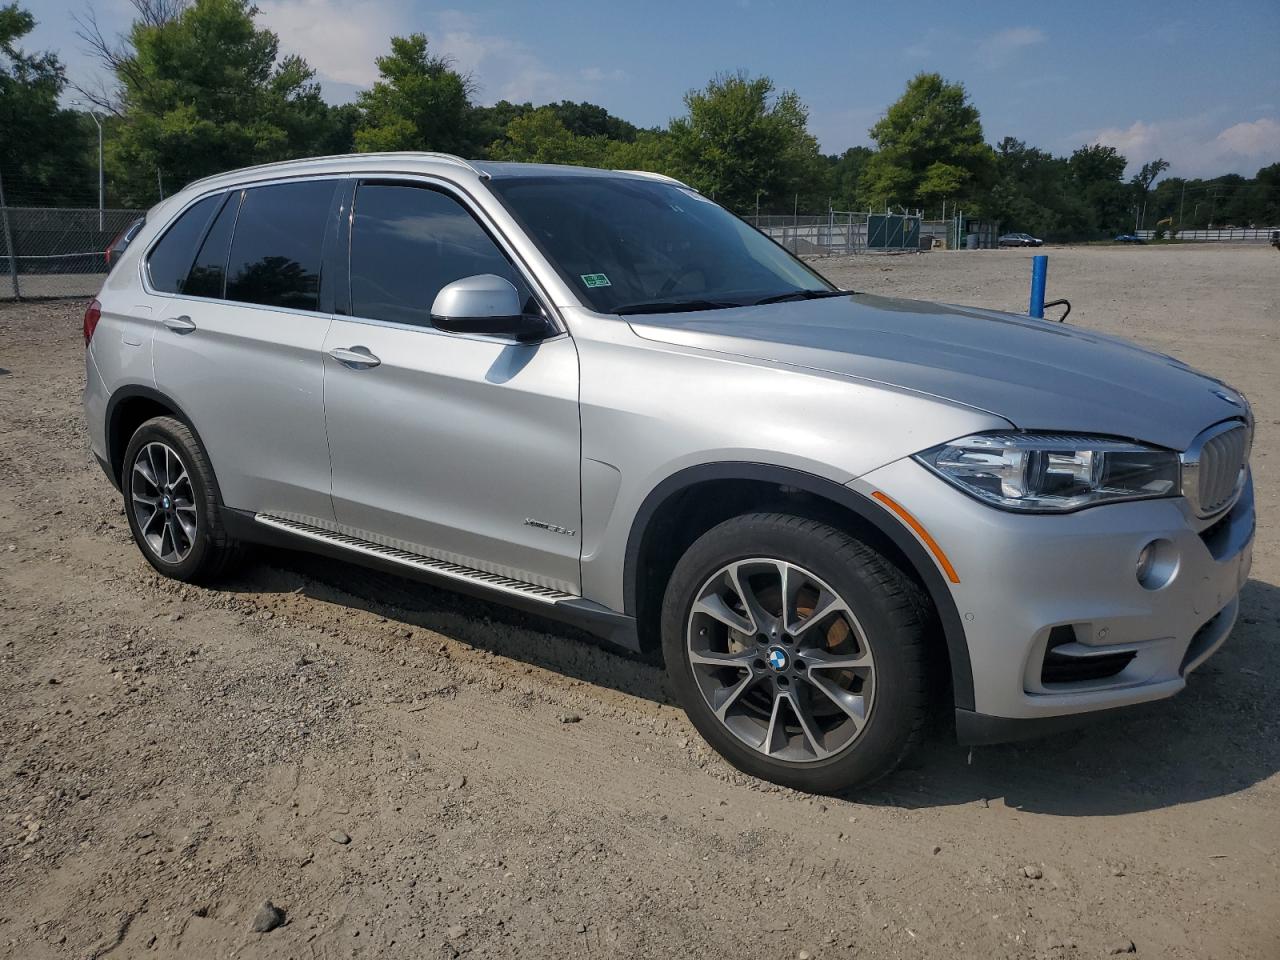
(166, 502)
(778, 659)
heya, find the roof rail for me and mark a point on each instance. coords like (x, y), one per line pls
(423, 154)
(658, 176)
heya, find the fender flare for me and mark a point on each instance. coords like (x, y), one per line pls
(134, 391)
(864, 508)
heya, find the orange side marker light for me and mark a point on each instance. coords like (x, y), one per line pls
(905, 516)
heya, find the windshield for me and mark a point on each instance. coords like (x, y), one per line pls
(642, 246)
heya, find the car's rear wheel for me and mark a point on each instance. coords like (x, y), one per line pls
(171, 499)
(797, 651)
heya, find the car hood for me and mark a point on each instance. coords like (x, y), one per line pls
(1037, 374)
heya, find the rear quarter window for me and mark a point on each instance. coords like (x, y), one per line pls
(170, 260)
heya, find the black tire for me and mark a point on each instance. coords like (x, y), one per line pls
(893, 612)
(211, 549)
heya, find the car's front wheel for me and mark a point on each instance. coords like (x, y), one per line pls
(798, 651)
(171, 499)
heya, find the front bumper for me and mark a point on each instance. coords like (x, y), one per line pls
(1022, 576)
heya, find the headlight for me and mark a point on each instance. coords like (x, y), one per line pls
(1054, 473)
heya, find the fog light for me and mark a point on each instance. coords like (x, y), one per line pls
(1157, 564)
(1146, 559)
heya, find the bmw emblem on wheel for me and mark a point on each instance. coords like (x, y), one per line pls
(778, 658)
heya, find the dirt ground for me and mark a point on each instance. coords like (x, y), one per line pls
(408, 773)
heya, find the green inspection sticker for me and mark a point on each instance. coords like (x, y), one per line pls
(596, 280)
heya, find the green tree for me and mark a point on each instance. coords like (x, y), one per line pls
(1143, 179)
(650, 150)
(1147, 175)
(845, 178)
(1097, 172)
(540, 136)
(739, 140)
(420, 103)
(43, 148)
(930, 148)
(1268, 203)
(201, 90)
(489, 124)
(1033, 192)
(580, 119)
(592, 120)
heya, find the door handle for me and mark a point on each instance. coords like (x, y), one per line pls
(182, 324)
(357, 358)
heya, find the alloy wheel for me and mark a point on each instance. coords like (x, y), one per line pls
(781, 660)
(163, 502)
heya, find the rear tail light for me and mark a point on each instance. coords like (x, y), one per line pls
(91, 317)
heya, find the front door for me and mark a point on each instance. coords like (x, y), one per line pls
(462, 448)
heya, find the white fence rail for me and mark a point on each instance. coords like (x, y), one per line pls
(1222, 235)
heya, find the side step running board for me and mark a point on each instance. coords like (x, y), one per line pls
(418, 562)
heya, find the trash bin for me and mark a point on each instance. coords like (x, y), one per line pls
(926, 241)
(971, 241)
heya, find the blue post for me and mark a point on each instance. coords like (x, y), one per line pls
(1039, 271)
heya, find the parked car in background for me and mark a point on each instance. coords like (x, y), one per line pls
(1019, 240)
(1129, 238)
(600, 396)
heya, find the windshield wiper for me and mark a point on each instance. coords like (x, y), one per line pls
(675, 306)
(801, 295)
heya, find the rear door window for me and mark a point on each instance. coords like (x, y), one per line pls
(171, 258)
(409, 241)
(278, 245)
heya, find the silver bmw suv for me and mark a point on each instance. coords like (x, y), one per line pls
(600, 396)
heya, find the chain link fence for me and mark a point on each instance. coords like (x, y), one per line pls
(56, 251)
(61, 251)
(844, 232)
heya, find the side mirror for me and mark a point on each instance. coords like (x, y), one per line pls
(485, 304)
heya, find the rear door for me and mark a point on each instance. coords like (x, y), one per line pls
(458, 447)
(241, 323)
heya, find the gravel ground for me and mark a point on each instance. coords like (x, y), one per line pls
(403, 772)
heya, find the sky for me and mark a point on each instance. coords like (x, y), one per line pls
(1195, 83)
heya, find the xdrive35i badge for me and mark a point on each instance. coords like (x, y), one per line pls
(553, 527)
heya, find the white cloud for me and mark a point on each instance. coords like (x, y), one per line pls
(1197, 146)
(342, 38)
(507, 69)
(1004, 44)
(1261, 138)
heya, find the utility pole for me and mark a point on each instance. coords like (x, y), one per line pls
(1181, 203)
(8, 240)
(101, 182)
